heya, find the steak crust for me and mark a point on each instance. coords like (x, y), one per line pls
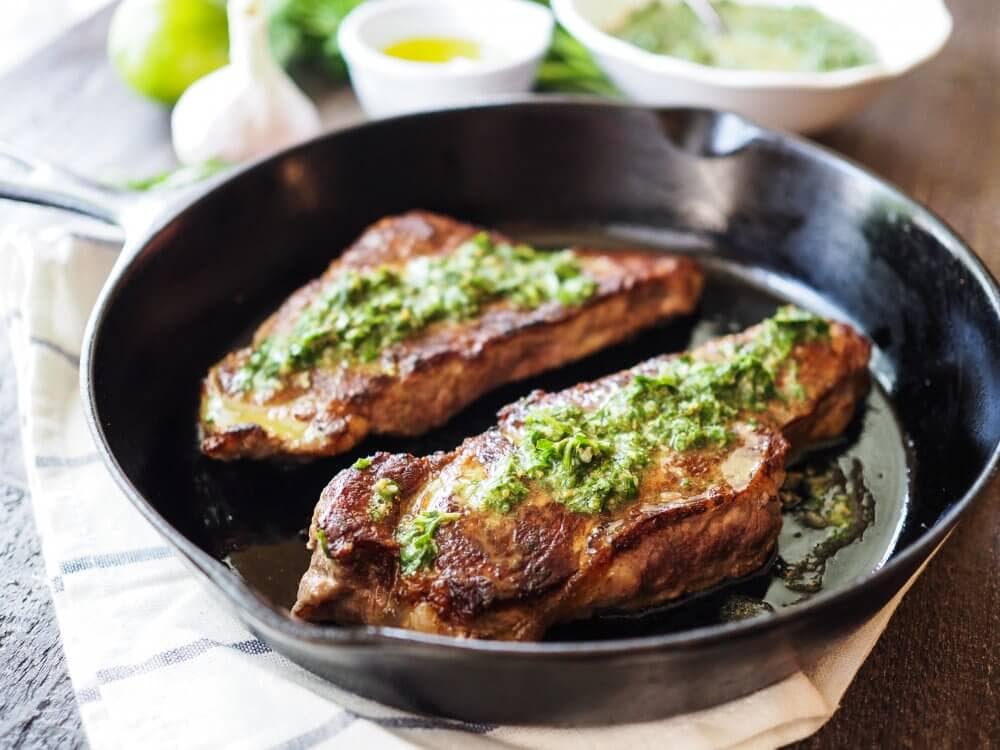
(444, 368)
(702, 517)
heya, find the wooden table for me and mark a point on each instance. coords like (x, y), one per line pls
(933, 680)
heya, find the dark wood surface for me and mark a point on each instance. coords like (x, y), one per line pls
(933, 680)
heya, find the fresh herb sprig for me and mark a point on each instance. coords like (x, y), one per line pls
(568, 67)
(304, 33)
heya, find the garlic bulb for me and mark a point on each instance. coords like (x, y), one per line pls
(247, 108)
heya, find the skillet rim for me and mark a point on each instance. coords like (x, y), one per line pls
(258, 612)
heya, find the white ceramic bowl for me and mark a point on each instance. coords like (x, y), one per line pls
(905, 33)
(513, 34)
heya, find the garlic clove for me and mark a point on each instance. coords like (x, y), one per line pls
(247, 108)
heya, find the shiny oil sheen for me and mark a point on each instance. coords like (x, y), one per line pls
(433, 49)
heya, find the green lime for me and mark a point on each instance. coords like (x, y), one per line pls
(160, 47)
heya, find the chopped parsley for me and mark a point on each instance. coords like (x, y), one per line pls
(416, 538)
(362, 463)
(324, 543)
(358, 314)
(593, 460)
(384, 493)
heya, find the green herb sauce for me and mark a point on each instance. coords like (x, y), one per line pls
(759, 37)
(592, 461)
(361, 464)
(416, 539)
(360, 313)
(824, 497)
(383, 497)
(324, 543)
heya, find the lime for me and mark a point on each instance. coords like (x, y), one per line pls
(160, 47)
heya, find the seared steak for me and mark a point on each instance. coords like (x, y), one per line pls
(327, 404)
(446, 544)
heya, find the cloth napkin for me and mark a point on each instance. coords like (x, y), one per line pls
(157, 662)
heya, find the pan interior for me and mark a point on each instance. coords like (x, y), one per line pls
(254, 515)
(761, 209)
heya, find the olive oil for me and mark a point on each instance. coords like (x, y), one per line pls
(433, 49)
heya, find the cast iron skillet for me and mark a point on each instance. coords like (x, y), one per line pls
(193, 282)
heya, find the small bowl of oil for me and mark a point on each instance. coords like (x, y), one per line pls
(413, 55)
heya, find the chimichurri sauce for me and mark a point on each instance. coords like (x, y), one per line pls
(267, 547)
(593, 460)
(359, 313)
(822, 497)
(758, 38)
(823, 500)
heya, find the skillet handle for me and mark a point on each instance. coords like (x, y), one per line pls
(35, 181)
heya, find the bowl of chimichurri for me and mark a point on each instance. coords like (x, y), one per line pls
(756, 37)
(799, 65)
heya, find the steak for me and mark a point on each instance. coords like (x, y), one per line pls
(701, 513)
(419, 382)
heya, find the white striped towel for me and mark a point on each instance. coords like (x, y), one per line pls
(156, 662)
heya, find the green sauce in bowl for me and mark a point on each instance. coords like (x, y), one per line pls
(790, 38)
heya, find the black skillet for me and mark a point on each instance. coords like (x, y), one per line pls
(771, 215)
